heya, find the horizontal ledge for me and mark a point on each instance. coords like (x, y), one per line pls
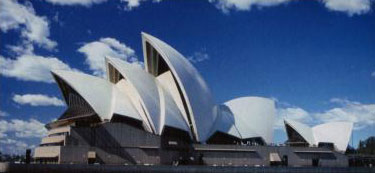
(149, 147)
(313, 151)
(224, 149)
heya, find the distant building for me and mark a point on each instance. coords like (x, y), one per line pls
(165, 114)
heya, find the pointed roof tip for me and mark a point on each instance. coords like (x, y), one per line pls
(291, 123)
(144, 33)
(112, 60)
(116, 61)
(287, 121)
(58, 71)
(52, 71)
(62, 73)
(107, 58)
(147, 35)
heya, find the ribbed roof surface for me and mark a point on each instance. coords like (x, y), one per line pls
(100, 94)
(159, 106)
(194, 89)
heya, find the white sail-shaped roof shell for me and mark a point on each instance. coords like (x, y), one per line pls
(154, 102)
(122, 104)
(170, 114)
(104, 97)
(302, 129)
(337, 133)
(225, 122)
(194, 89)
(167, 81)
(146, 91)
(253, 117)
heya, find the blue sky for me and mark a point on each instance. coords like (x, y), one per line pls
(315, 58)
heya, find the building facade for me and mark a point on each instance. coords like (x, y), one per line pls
(165, 114)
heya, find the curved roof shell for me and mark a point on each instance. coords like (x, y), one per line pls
(167, 81)
(156, 103)
(337, 133)
(170, 115)
(253, 117)
(302, 129)
(195, 91)
(328, 132)
(225, 122)
(145, 88)
(123, 105)
(102, 97)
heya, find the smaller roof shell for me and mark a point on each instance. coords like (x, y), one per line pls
(102, 97)
(225, 122)
(253, 117)
(122, 103)
(170, 115)
(337, 133)
(168, 83)
(304, 130)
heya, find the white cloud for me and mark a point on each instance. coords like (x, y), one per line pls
(33, 28)
(351, 7)
(244, 5)
(24, 48)
(373, 74)
(14, 132)
(3, 114)
(342, 102)
(96, 51)
(293, 113)
(30, 67)
(22, 128)
(130, 4)
(362, 115)
(37, 100)
(86, 3)
(198, 57)
(11, 146)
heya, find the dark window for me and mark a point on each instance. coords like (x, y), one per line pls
(173, 138)
(254, 141)
(114, 74)
(127, 120)
(328, 145)
(222, 138)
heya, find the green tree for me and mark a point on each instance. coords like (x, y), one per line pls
(367, 146)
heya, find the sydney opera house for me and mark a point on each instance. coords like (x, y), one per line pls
(164, 114)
